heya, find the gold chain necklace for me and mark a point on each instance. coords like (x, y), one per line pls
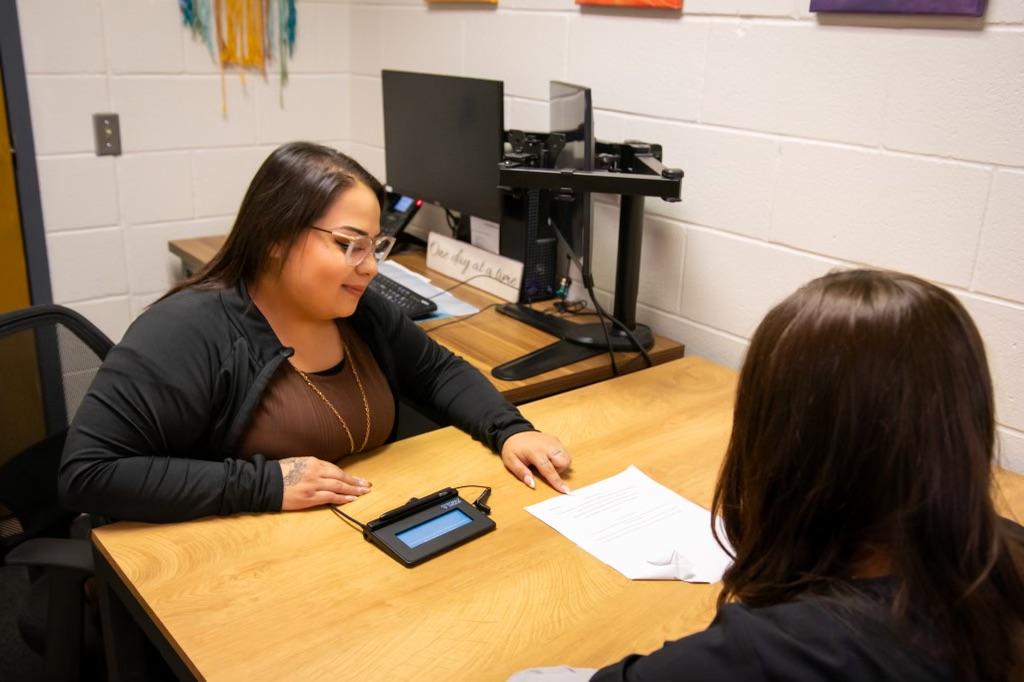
(362, 394)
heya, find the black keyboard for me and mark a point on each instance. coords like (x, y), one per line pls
(411, 303)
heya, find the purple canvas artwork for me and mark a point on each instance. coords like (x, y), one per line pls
(974, 8)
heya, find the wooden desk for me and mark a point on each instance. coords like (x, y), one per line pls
(302, 596)
(488, 339)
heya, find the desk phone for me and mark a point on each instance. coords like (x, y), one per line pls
(398, 211)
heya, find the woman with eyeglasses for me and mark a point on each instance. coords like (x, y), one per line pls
(244, 387)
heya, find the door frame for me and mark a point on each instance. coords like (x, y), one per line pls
(23, 151)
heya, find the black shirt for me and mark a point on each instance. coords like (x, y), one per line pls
(809, 640)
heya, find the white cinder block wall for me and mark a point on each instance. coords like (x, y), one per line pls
(807, 143)
(184, 165)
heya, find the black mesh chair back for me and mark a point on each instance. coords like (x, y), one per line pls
(48, 357)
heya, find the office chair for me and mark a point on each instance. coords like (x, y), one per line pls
(48, 357)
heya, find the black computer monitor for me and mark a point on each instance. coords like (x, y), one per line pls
(572, 114)
(443, 140)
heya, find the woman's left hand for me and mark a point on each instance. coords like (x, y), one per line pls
(545, 453)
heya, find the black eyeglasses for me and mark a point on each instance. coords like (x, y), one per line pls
(358, 246)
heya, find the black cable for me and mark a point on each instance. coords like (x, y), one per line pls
(569, 308)
(466, 281)
(462, 318)
(481, 501)
(604, 328)
(590, 290)
(453, 223)
(337, 510)
(601, 311)
(625, 330)
(629, 332)
(616, 321)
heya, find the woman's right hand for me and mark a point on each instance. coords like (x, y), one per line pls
(310, 482)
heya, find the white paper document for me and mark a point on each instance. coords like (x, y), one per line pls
(447, 303)
(485, 234)
(640, 528)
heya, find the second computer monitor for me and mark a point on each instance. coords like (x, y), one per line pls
(571, 114)
(443, 140)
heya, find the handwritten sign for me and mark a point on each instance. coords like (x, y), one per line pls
(484, 270)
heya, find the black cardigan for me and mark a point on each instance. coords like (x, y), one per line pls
(812, 639)
(155, 437)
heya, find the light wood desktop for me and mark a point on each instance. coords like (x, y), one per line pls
(485, 340)
(302, 596)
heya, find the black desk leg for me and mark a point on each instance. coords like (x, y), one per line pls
(64, 624)
(123, 642)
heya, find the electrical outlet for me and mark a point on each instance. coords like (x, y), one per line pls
(107, 131)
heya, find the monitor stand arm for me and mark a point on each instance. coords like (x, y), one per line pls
(637, 173)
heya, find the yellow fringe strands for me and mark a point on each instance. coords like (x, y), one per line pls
(243, 34)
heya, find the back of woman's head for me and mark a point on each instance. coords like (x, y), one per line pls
(864, 426)
(296, 184)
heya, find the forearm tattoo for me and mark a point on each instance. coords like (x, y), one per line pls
(297, 468)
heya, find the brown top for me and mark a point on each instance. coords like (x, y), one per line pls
(292, 420)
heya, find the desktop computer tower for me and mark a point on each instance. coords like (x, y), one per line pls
(527, 236)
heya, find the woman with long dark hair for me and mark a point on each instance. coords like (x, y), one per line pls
(856, 495)
(243, 388)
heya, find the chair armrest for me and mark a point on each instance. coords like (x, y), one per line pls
(65, 553)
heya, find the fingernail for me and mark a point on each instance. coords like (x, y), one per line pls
(349, 498)
(363, 490)
(528, 480)
(363, 482)
(565, 489)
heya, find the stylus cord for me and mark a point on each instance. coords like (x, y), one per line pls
(337, 510)
(480, 503)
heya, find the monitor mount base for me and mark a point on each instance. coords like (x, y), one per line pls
(575, 342)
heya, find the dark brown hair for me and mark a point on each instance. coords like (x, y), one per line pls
(293, 187)
(865, 420)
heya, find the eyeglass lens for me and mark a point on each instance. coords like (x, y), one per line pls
(358, 248)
